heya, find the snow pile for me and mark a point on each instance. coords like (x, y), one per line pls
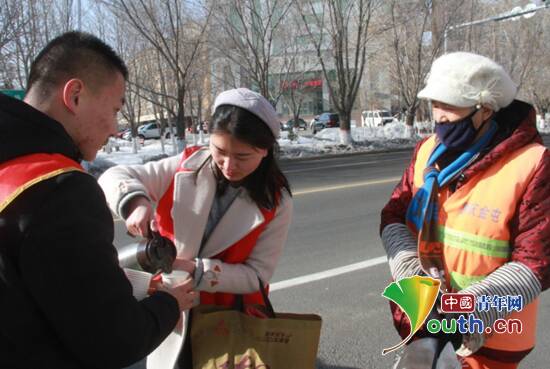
(391, 136)
(119, 151)
(391, 131)
(302, 145)
(122, 151)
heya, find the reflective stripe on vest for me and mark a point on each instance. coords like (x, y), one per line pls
(21, 173)
(473, 228)
(235, 254)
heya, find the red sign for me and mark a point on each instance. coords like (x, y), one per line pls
(295, 84)
(458, 303)
(313, 83)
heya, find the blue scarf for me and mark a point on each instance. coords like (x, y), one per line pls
(422, 211)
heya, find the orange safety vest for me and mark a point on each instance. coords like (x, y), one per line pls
(19, 174)
(473, 230)
(235, 254)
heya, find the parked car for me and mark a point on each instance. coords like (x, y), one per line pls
(152, 130)
(326, 120)
(122, 132)
(127, 135)
(376, 118)
(290, 123)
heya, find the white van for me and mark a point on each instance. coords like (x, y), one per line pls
(152, 130)
(376, 118)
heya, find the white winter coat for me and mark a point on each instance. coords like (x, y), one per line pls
(193, 197)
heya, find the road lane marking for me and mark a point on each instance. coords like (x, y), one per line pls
(339, 165)
(293, 282)
(308, 191)
(345, 186)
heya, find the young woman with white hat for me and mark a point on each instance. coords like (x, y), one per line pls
(227, 207)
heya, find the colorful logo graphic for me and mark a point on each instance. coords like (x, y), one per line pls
(416, 296)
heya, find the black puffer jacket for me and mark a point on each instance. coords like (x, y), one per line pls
(64, 301)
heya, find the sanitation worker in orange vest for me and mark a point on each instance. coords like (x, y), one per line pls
(64, 300)
(472, 210)
(227, 207)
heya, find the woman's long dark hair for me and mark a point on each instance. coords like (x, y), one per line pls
(264, 185)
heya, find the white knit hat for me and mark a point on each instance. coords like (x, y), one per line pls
(254, 103)
(465, 79)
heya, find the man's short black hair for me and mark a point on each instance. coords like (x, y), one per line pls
(74, 55)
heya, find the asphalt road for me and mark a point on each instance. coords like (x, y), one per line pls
(337, 202)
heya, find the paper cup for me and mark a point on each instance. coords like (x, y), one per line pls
(174, 278)
(140, 282)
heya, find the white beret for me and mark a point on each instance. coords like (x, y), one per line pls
(465, 79)
(254, 103)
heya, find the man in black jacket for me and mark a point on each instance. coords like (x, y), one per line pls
(64, 300)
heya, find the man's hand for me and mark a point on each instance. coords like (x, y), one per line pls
(182, 292)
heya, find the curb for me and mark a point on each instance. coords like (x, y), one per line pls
(341, 155)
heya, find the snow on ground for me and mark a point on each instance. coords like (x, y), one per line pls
(390, 137)
(326, 142)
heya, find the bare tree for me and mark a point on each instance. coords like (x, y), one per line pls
(133, 106)
(295, 83)
(535, 85)
(293, 65)
(244, 32)
(128, 47)
(26, 26)
(515, 43)
(415, 42)
(293, 94)
(519, 44)
(339, 31)
(35, 23)
(10, 29)
(177, 33)
(198, 93)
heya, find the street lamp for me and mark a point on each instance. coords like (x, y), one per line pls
(531, 8)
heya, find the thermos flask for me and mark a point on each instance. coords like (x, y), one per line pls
(152, 255)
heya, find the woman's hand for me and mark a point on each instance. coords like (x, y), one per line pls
(187, 265)
(140, 218)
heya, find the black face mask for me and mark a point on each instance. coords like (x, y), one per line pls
(457, 135)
